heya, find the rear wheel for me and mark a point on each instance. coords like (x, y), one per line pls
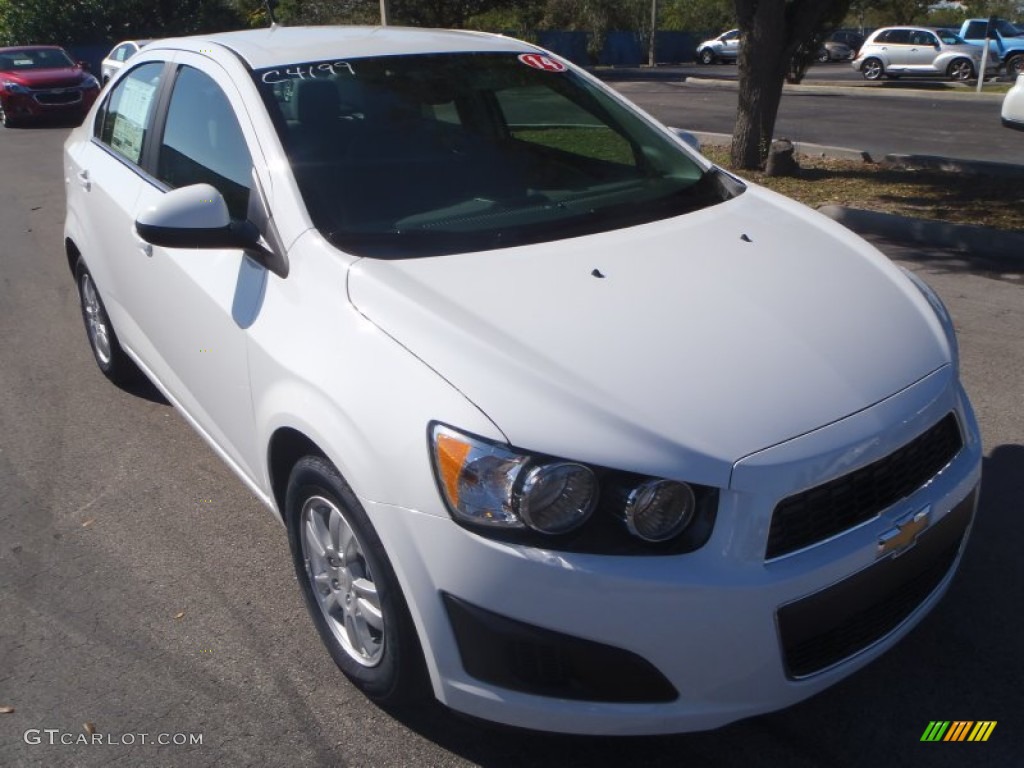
(960, 70)
(106, 349)
(350, 588)
(823, 56)
(707, 56)
(872, 69)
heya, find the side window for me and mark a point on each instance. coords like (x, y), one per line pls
(123, 120)
(898, 37)
(203, 142)
(538, 115)
(975, 30)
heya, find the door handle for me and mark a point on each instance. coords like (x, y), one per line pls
(83, 179)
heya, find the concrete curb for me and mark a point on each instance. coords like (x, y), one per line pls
(936, 234)
(802, 147)
(861, 90)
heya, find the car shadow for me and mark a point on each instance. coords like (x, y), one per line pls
(958, 663)
(145, 389)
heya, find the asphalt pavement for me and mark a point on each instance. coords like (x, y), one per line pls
(144, 590)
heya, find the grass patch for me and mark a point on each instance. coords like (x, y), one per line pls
(941, 195)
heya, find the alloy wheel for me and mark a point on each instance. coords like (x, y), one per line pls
(96, 322)
(341, 580)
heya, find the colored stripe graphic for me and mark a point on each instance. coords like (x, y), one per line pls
(982, 730)
(935, 730)
(958, 731)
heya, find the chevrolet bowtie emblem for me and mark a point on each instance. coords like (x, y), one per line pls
(897, 540)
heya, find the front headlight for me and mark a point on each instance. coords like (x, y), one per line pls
(89, 82)
(504, 492)
(15, 88)
(941, 312)
(488, 484)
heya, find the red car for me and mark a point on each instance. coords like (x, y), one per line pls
(39, 81)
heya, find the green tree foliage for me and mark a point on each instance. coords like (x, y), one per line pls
(93, 21)
(701, 16)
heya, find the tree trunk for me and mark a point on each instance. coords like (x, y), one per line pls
(770, 31)
(763, 61)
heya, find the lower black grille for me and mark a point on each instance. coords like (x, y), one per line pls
(816, 514)
(59, 97)
(837, 622)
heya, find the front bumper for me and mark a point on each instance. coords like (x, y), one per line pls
(717, 623)
(49, 102)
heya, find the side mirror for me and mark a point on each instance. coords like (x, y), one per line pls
(196, 216)
(84, 65)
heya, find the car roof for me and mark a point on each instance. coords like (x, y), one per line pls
(16, 48)
(275, 46)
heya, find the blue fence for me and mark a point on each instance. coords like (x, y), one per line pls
(621, 49)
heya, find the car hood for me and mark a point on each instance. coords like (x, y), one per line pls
(45, 78)
(673, 348)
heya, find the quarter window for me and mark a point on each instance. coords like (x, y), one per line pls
(123, 121)
(203, 142)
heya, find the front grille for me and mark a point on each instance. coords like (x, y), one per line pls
(831, 625)
(816, 514)
(59, 97)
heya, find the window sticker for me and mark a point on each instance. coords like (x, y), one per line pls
(539, 61)
(307, 71)
(130, 120)
(23, 62)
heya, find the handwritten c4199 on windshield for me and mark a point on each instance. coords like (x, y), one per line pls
(306, 71)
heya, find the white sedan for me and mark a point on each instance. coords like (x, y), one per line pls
(1013, 105)
(566, 425)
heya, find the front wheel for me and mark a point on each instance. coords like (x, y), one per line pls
(349, 585)
(823, 56)
(707, 56)
(872, 69)
(5, 118)
(1015, 66)
(960, 70)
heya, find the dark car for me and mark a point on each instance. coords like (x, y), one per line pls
(848, 37)
(40, 81)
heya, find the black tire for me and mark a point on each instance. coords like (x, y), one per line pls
(398, 675)
(872, 69)
(5, 119)
(109, 356)
(706, 56)
(1015, 66)
(823, 56)
(960, 70)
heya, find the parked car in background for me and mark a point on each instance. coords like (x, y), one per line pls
(118, 55)
(564, 424)
(851, 38)
(918, 51)
(1013, 105)
(1006, 42)
(724, 48)
(831, 50)
(42, 81)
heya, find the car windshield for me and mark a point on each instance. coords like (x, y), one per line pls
(402, 156)
(43, 58)
(1006, 29)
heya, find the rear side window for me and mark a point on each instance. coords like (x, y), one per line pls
(124, 119)
(894, 37)
(976, 29)
(203, 142)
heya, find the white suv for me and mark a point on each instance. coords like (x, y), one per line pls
(565, 424)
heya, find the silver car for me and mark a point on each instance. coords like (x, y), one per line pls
(725, 47)
(916, 51)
